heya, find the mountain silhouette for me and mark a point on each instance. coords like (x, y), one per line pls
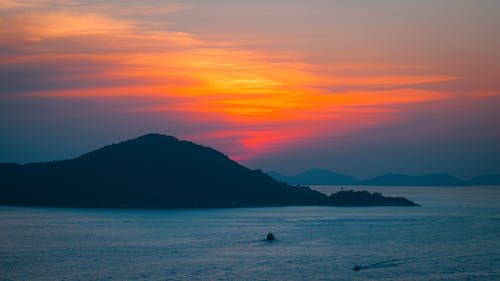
(157, 171)
(316, 177)
(486, 179)
(326, 177)
(420, 180)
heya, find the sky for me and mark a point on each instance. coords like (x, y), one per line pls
(360, 87)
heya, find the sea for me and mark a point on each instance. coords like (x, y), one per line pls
(454, 235)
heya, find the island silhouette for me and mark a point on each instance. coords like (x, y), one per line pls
(158, 171)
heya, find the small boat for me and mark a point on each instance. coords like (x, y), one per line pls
(270, 237)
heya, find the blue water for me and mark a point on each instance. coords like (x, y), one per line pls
(455, 235)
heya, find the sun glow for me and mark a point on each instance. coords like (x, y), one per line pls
(271, 98)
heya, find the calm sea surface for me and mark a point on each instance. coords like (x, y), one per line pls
(455, 235)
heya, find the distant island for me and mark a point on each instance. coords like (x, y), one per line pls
(316, 177)
(326, 177)
(158, 171)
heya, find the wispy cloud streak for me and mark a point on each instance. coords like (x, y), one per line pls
(266, 99)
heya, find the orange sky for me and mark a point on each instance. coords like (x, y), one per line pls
(269, 83)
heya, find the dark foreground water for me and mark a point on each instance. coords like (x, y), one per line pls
(455, 235)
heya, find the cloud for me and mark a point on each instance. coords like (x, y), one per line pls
(13, 5)
(486, 94)
(134, 8)
(263, 99)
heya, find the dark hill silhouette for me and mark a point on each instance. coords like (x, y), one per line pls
(157, 171)
(350, 198)
(421, 180)
(316, 177)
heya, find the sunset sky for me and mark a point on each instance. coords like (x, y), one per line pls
(360, 87)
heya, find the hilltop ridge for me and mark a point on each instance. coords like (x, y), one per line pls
(157, 171)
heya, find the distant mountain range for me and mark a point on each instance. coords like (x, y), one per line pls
(326, 177)
(316, 177)
(157, 171)
(420, 180)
